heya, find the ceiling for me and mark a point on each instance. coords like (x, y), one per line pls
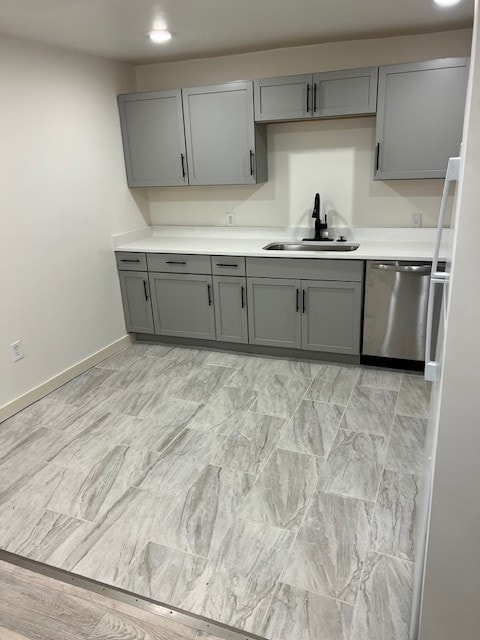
(117, 29)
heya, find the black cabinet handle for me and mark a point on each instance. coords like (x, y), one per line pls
(251, 162)
(127, 260)
(174, 262)
(377, 157)
(209, 291)
(308, 98)
(304, 301)
(145, 289)
(223, 264)
(183, 164)
(242, 294)
(314, 97)
(297, 293)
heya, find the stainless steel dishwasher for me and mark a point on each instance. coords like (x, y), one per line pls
(395, 313)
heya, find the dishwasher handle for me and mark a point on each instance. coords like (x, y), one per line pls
(415, 269)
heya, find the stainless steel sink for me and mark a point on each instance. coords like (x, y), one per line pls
(323, 246)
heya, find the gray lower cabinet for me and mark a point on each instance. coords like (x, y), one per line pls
(137, 305)
(419, 118)
(231, 321)
(153, 138)
(224, 145)
(274, 315)
(183, 305)
(331, 317)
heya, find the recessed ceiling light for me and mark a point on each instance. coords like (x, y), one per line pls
(446, 3)
(160, 35)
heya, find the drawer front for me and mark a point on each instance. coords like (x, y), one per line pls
(129, 261)
(228, 266)
(178, 263)
(306, 269)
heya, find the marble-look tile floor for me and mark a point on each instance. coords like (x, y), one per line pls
(275, 496)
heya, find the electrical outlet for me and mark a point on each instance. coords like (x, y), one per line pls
(17, 350)
(230, 219)
(416, 220)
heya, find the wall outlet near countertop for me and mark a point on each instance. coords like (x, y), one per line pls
(17, 350)
(230, 219)
(416, 220)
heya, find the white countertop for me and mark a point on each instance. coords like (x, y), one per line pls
(375, 244)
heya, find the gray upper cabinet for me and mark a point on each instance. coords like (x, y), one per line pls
(331, 318)
(419, 118)
(345, 93)
(284, 98)
(274, 315)
(183, 305)
(318, 95)
(153, 138)
(231, 320)
(137, 305)
(224, 145)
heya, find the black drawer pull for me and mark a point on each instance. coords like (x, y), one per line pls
(209, 291)
(145, 289)
(251, 163)
(174, 262)
(308, 98)
(127, 260)
(315, 97)
(297, 305)
(242, 293)
(304, 301)
(222, 264)
(377, 157)
(183, 165)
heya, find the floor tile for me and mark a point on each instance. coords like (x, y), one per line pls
(116, 625)
(79, 386)
(333, 384)
(301, 368)
(226, 359)
(354, 465)
(384, 599)
(414, 397)
(249, 447)
(380, 379)
(407, 441)
(393, 525)
(43, 413)
(312, 428)
(328, 554)
(223, 410)
(283, 490)
(296, 613)
(370, 410)
(253, 374)
(281, 396)
(200, 520)
(202, 385)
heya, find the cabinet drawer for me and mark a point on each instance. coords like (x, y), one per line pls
(178, 263)
(306, 269)
(129, 261)
(228, 266)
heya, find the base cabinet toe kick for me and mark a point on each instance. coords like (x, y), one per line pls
(300, 304)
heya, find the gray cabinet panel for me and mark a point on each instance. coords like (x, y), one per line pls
(220, 134)
(231, 308)
(183, 305)
(331, 318)
(345, 93)
(420, 117)
(306, 268)
(153, 138)
(130, 261)
(274, 316)
(137, 305)
(284, 98)
(178, 263)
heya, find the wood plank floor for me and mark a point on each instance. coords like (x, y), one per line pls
(36, 607)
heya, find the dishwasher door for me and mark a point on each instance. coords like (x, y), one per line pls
(395, 314)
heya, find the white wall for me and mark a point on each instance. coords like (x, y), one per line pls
(334, 157)
(63, 195)
(452, 580)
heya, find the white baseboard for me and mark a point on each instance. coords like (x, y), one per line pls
(23, 401)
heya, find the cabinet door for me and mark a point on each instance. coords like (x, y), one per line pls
(220, 134)
(331, 316)
(137, 305)
(419, 118)
(345, 93)
(183, 305)
(153, 138)
(284, 98)
(274, 314)
(231, 308)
